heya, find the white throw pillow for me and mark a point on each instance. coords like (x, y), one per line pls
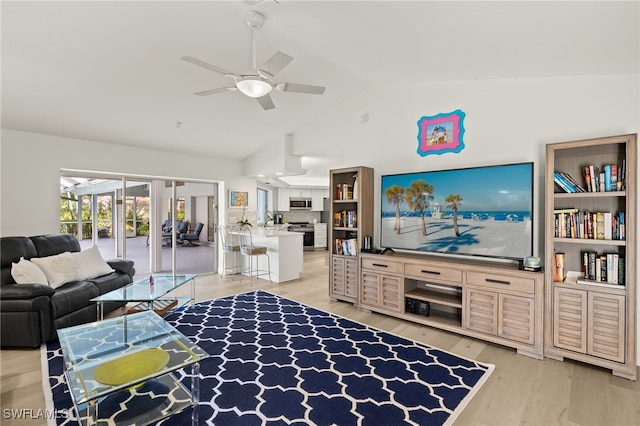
(91, 263)
(25, 272)
(59, 269)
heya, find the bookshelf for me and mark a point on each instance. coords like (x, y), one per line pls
(351, 219)
(590, 252)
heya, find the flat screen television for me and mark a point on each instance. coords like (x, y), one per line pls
(478, 211)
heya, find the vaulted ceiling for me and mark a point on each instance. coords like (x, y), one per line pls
(110, 71)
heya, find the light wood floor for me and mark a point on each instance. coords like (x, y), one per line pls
(521, 390)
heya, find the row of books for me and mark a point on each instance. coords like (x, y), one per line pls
(344, 191)
(566, 183)
(345, 219)
(606, 268)
(608, 178)
(571, 223)
(347, 246)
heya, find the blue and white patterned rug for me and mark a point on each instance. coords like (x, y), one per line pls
(277, 361)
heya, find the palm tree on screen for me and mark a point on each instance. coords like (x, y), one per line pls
(394, 195)
(417, 197)
(453, 201)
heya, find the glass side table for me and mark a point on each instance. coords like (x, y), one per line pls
(150, 296)
(121, 369)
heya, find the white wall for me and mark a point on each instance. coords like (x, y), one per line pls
(30, 166)
(506, 121)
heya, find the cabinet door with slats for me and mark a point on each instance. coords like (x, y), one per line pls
(338, 276)
(607, 326)
(351, 277)
(370, 291)
(390, 292)
(481, 311)
(570, 319)
(517, 318)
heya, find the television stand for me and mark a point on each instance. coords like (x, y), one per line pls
(493, 302)
(387, 250)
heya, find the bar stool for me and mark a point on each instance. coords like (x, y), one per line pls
(251, 251)
(229, 244)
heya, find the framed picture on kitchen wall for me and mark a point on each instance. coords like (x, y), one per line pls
(238, 199)
(441, 133)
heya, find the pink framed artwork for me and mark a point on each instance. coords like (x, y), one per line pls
(441, 133)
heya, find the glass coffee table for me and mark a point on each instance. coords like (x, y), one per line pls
(119, 370)
(150, 297)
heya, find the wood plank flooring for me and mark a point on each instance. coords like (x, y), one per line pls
(521, 390)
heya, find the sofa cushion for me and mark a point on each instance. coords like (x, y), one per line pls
(121, 265)
(11, 250)
(26, 272)
(113, 281)
(59, 269)
(72, 296)
(48, 245)
(91, 263)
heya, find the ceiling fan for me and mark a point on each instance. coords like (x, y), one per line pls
(259, 82)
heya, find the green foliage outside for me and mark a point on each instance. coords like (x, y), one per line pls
(69, 219)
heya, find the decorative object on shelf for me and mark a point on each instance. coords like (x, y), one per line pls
(532, 263)
(238, 199)
(441, 133)
(130, 367)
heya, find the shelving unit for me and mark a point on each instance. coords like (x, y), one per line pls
(592, 323)
(351, 190)
(497, 303)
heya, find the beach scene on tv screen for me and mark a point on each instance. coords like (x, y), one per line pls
(483, 211)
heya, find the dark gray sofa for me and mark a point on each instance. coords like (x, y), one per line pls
(30, 314)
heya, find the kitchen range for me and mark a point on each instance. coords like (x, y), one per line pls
(307, 228)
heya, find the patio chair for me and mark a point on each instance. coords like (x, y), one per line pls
(187, 239)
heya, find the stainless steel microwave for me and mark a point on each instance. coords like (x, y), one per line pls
(299, 203)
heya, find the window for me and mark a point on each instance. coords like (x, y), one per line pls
(263, 205)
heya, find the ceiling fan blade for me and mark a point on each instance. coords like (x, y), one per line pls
(275, 64)
(300, 88)
(214, 91)
(208, 66)
(266, 102)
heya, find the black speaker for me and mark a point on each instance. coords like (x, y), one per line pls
(417, 307)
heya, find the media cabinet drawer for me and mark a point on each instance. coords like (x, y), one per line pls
(382, 265)
(433, 272)
(504, 282)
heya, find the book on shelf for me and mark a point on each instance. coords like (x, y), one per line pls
(596, 283)
(572, 182)
(608, 178)
(604, 267)
(344, 191)
(571, 223)
(345, 219)
(347, 246)
(565, 184)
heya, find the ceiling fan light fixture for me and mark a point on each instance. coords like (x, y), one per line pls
(254, 87)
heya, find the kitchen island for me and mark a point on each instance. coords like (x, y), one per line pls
(285, 253)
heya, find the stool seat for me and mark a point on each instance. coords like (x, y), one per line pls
(249, 250)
